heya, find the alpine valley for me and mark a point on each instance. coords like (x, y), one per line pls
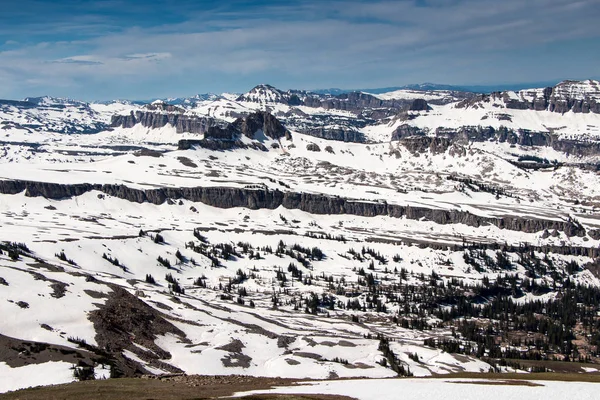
(300, 235)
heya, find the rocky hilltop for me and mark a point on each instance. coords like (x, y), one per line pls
(159, 114)
(49, 114)
(575, 96)
(415, 138)
(355, 102)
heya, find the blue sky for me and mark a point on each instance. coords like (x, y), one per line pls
(96, 50)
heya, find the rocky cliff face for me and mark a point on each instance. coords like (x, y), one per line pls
(219, 145)
(576, 96)
(466, 134)
(331, 127)
(358, 103)
(405, 130)
(228, 137)
(421, 144)
(352, 102)
(250, 125)
(226, 197)
(355, 102)
(159, 115)
(157, 119)
(337, 133)
(419, 105)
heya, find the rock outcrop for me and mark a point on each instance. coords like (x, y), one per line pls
(405, 130)
(124, 322)
(421, 144)
(218, 135)
(355, 102)
(253, 126)
(158, 119)
(468, 134)
(259, 121)
(227, 197)
(334, 133)
(419, 105)
(219, 145)
(575, 96)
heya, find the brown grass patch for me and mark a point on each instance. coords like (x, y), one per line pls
(498, 383)
(177, 388)
(541, 376)
(296, 397)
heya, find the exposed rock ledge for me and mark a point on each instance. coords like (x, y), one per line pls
(227, 197)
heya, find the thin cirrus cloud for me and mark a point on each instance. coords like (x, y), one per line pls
(80, 60)
(122, 48)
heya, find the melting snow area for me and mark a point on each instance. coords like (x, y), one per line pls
(446, 389)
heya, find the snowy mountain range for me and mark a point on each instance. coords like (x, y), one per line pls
(300, 234)
(437, 86)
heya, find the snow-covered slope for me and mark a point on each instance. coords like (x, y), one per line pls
(293, 250)
(438, 389)
(440, 95)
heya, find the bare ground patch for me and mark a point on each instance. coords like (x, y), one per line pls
(183, 387)
(17, 353)
(187, 162)
(124, 320)
(235, 358)
(499, 383)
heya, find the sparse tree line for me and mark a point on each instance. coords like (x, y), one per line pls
(484, 316)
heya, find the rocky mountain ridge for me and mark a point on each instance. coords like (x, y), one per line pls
(575, 96)
(348, 117)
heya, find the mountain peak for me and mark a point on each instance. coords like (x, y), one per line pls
(263, 93)
(578, 90)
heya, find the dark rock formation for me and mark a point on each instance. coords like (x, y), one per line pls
(337, 133)
(228, 132)
(577, 148)
(418, 145)
(217, 145)
(467, 134)
(406, 130)
(124, 320)
(153, 119)
(594, 233)
(260, 121)
(224, 197)
(419, 105)
(228, 137)
(352, 102)
(18, 353)
(158, 117)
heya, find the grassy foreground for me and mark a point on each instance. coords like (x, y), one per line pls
(197, 387)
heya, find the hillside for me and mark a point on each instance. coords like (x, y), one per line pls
(300, 235)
